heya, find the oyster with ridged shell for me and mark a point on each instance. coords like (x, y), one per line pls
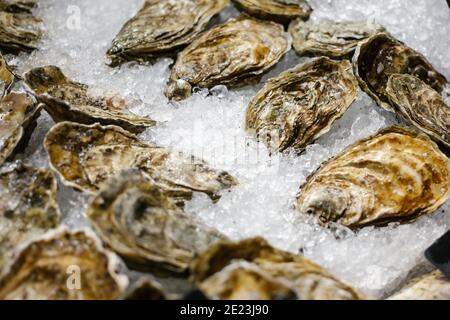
(329, 38)
(420, 105)
(7, 77)
(66, 100)
(17, 5)
(63, 265)
(18, 114)
(380, 56)
(300, 105)
(281, 11)
(161, 27)
(145, 289)
(235, 53)
(19, 31)
(261, 269)
(432, 286)
(140, 222)
(397, 175)
(86, 156)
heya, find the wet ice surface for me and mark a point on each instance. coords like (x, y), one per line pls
(376, 261)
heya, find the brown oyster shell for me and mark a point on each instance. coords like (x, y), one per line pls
(235, 53)
(66, 100)
(19, 31)
(381, 56)
(140, 222)
(161, 27)
(432, 286)
(18, 114)
(145, 289)
(397, 175)
(329, 38)
(300, 105)
(308, 280)
(281, 11)
(86, 156)
(420, 105)
(7, 77)
(17, 5)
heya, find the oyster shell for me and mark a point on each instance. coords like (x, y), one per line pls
(17, 5)
(380, 56)
(421, 105)
(234, 53)
(86, 156)
(308, 280)
(139, 221)
(66, 100)
(161, 27)
(396, 175)
(45, 267)
(328, 38)
(145, 289)
(301, 104)
(19, 32)
(281, 11)
(432, 286)
(28, 206)
(18, 114)
(7, 77)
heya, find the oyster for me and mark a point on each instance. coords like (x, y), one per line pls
(281, 11)
(328, 38)
(18, 114)
(136, 218)
(161, 27)
(19, 31)
(301, 104)
(432, 286)
(380, 56)
(256, 259)
(63, 265)
(421, 105)
(86, 156)
(28, 206)
(66, 100)
(145, 289)
(17, 5)
(7, 77)
(234, 53)
(396, 175)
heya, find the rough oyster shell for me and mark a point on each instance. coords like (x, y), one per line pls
(234, 53)
(432, 286)
(328, 38)
(28, 206)
(145, 289)
(396, 175)
(18, 114)
(7, 77)
(66, 100)
(308, 280)
(86, 156)
(421, 105)
(281, 11)
(17, 5)
(162, 26)
(381, 56)
(139, 221)
(43, 269)
(19, 31)
(301, 104)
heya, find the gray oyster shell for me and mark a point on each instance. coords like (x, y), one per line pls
(235, 53)
(396, 175)
(66, 100)
(300, 105)
(136, 218)
(432, 286)
(328, 38)
(161, 27)
(19, 31)
(17, 5)
(18, 114)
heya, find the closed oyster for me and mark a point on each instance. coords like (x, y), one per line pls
(161, 27)
(63, 265)
(421, 105)
(66, 100)
(301, 104)
(277, 269)
(136, 218)
(19, 32)
(328, 38)
(28, 206)
(281, 11)
(381, 56)
(145, 289)
(86, 156)
(7, 77)
(396, 175)
(432, 286)
(234, 53)
(17, 5)
(18, 114)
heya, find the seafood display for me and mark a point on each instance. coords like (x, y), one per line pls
(432, 286)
